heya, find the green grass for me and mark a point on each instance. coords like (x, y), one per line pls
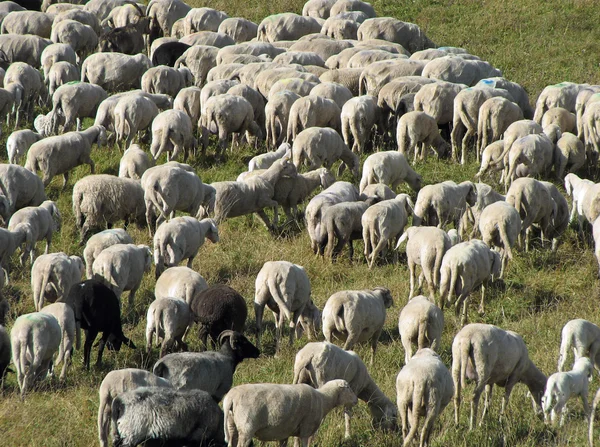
(535, 43)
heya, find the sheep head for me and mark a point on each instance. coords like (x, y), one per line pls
(239, 344)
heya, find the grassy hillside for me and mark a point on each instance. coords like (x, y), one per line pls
(534, 43)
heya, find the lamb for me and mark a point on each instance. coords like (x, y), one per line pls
(19, 142)
(323, 146)
(66, 319)
(43, 221)
(122, 267)
(464, 267)
(115, 383)
(172, 132)
(38, 334)
(252, 196)
(246, 405)
(89, 96)
(379, 190)
(166, 80)
(312, 111)
(382, 225)
(52, 276)
(132, 114)
(277, 111)
(60, 73)
(424, 388)
(492, 356)
(569, 152)
(62, 153)
(265, 161)
(356, 316)
(491, 159)
(421, 323)
(358, 117)
(100, 200)
(134, 162)
(562, 386)
(114, 71)
(390, 168)
(495, 115)
(21, 187)
(97, 309)
(444, 202)
(561, 117)
(583, 337)
(181, 238)
(285, 288)
(211, 371)
(167, 318)
(171, 416)
(217, 309)
(99, 242)
(419, 128)
(57, 52)
(180, 282)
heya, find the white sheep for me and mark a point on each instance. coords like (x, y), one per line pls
(445, 202)
(180, 282)
(342, 221)
(437, 100)
(57, 52)
(114, 71)
(359, 115)
(273, 412)
(26, 85)
(34, 339)
(65, 316)
(492, 356)
(167, 318)
(569, 152)
(81, 37)
(495, 115)
(99, 242)
(389, 168)
(424, 388)
(356, 316)
(134, 162)
(583, 337)
(562, 386)
(52, 276)
(166, 80)
(491, 159)
(561, 117)
(264, 161)
(132, 114)
(379, 190)
(65, 111)
(19, 142)
(312, 111)
(277, 112)
(172, 132)
(122, 267)
(558, 95)
(535, 152)
(60, 74)
(419, 128)
(9, 242)
(181, 238)
(285, 288)
(421, 323)
(188, 101)
(320, 362)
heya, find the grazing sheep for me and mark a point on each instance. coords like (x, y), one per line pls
(560, 220)
(39, 335)
(52, 276)
(62, 153)
(167, 318)
(516, 91)
(536, 152)
(66, 320)
(344, 222)
(424, 388)
(166, 80)
(61, 73)
(464, 267)
(238, 28)
(180, 282)
(285, 288)
(409, 35)
(117, 382)
(9, 242)
(26, 85)
(132, 114)
(27, 22)
(443, 203)
(437, 100)
(459, 70)
(81, 37)
(208, 371)
(163, 14)
(265, 161)
(21, 187)
(312, 111)
(172, 132)
(277, 112)
(181, 238)
(492, 158)
(419, 128)
(101, 200)
(24, 48)
(561, 117)
(57, 52)
(286, 26)
(188, 101)
(583, 337)
(19, 142)
(421, 323)
(170, 417)
(115, 71)
(495, 115)
(562, 386)
(356, 316)
(334, 91)
(358, 117)
(379, 190)
(99, 242)
(134, 163)
(65, 111)
(568, 153)
(390, 168)
(485, 196)
(268, 411)
(492, 356)
(559, 95)
(517, 130)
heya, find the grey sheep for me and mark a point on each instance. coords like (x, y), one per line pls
(378, 74)
(164, 13)
(558, 95)
(339, 28)
(350, 77)
(458, 70)
(516, 91)
(60, 74)
(418, 128)
(300, 86)
(379, 190)
(300, 58)
(495, 116)
(561, 117)
(166, 80)
(99, 242)
(255, 99)
(134, 162)
(167, 318)
(172, 132)
(535, 152)
(57, 52)
(390, 168)
(199, 59)
(286, 26)
(569, 153)
(560, 220)
(443, 203)
(277, 112)
(24, 48)
(358, 117)
(27, 22)
(180, 282)
(342, 221)
(251, 48)
(19, 142)
(312, 111)
(334, 91)
(583, 337)
(114, 71)
(203, 19)
(133, 113)
(421, 323)
(52, 276)
(264, 161)
(409, 35)
(66, 320)
(26, 85)
(437, 100)
(82, 38)
(356, 316)
(11, 240)
(491, 159)
(21, 187)
(238, 28)
(188, 101)
(342, 6)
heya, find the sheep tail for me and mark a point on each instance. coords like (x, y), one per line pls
(39, 300)
(77, 199)
(505, 242)
(465, 353)
(422, 335)
(565, 344)
(439, 256)
(157, 320)
(158, 200)
(306, 373)
(279, 297)
(338, 319)
(227, 414)
(591, 430)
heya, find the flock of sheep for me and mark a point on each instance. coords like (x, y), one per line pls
(325, 86)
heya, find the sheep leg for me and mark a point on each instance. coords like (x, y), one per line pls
(258, 311)
(279, 331)
(90, 336)
(101, 345)
(414, 424)
(475, 402)
(104, 412)
(487, 402)
(131, 297)
(481, 309)
(265, 219)
(351, 340)
(374, 341)
(510, 383)
(243, 441)
(65, 180)
(407, 345)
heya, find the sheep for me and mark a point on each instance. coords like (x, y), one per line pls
(492, 356)
(256, 100)
(114, 71)
(133, 114)
(180, 282)
(231, 114)
(166, 80)
(27, 22)
(238, 28)
(536, 152)
(63, 107)
(379, 190)
(569, 152)
(57, 52)
(9, 242)
(181, 238)
(60, 74)
(134, 162)
(115, 383)
(561, 386)
(491, 158)
(559, 95)
(277, 112)
(464, 267)
(485, 196)
(82, 38)
(382, 225)
(437, 100)
(265, 161)
(26, 85)
(122, 267)
(418, 127)
(99, 242)
(285, 288)
(97, 309)
(169, 187)
(66, 319)
(52, 276)
(500, 226)
(583, 337)
(123, 15)
(208, 371)
(81, 15)
(199, 59)
(333, 91)
(39, 335)
(24, 48)
(300, 58)
(128, 39)
(378, 74)
(516, 91)
(60, 154)
(246, 406)
(42, 221)
(459, 70)
(324, 47)
(390, 168)
(172, 132)
(495, 115)
(318, 9)
(312, 111)
(19, 142)
(409, 35)
(252, 196)
(443, 203)
(286, 26)
(188, 101)
(561, 117)
(356, 316)
(560, 220)
(424, 388)
(534, 203)
(358, 117)
(163, 14)
(420, 323)
(323, 146)
(517, 130)
(167, 52)
(167, 318)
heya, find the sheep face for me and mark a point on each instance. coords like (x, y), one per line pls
(242, 347)
(309, 321)
(386, 296)
(327, 178)
(496, 263)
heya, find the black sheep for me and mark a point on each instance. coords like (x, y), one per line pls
(168, 53)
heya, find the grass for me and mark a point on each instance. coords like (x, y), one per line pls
(535, 43)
